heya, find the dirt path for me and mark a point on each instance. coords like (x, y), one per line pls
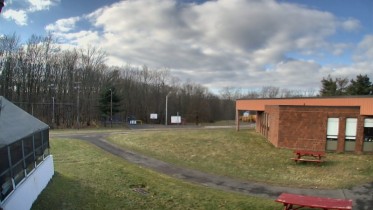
(362, 195)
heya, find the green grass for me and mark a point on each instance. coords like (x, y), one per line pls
(247, 155)
(89, 178)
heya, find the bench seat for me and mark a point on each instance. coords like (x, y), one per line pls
(307, 160)
(294, 201)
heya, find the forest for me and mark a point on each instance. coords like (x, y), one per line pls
(77, 88)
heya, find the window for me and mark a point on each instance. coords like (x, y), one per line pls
(28, 148)
(351, 125)
(16, 159)
(368, 135)
(20, 158)
(45, 136)
(350, 137)
(38, 143)
(332, 129)
(5, 178)
(332, 133)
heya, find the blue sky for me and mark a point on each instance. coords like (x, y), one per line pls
(244, 44)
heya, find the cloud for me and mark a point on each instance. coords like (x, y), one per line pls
(63, 25)
(216, 43)
(39, 5)
(351, 25)
(364, 51)
(19, 16)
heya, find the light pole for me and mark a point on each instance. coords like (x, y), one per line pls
(111, 108)
(166, 107)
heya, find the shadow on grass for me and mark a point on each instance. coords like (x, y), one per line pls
(63, 193)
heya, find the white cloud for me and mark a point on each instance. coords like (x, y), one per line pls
(19, 16)
(63, 25)
(365, 50)
(216, 43)
(39, 5)
(351, 25)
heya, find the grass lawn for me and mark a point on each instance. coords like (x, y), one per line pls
(247, 155)
(88, 178)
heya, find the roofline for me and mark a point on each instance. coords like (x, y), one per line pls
(315, 97)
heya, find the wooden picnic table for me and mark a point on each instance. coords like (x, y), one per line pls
(294, 201)
(316, 156)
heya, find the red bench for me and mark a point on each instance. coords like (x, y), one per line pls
(316, 156)
(293, 201)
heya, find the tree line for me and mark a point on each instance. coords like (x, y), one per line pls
(341, 86)
(75, 87)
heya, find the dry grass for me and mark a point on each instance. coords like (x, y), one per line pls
(247, 155)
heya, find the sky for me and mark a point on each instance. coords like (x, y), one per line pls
(246, 44)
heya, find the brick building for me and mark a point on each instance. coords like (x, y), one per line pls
(341, 124)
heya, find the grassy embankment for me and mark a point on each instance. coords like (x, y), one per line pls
(247, 155)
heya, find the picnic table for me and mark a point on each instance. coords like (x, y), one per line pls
(316, 156)
(294, 201)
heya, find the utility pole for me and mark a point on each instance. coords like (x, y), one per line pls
(77, 104)
(111, 108)
(53, 90)
(53, 111)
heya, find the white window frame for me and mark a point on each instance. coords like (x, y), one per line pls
(351, 128)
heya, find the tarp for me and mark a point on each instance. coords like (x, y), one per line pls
(15, 123)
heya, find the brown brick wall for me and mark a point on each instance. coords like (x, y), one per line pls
(273, 124)
(304, 127)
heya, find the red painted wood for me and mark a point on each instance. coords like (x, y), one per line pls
(310, 153)
(314, 202)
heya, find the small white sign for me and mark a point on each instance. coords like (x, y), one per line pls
(153, 116)
(175, 119)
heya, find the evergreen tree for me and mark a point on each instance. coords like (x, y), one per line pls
(331, 87)
(109, 103)
(361, 86)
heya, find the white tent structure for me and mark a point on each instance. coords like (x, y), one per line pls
(26, 165)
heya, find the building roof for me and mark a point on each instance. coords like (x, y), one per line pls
(15, 123)
(364, 102)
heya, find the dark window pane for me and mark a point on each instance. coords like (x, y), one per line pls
(37, 140)
(4, 160)
(368, 134)
(5, 185)
(39, 155)
(16, 152)
(28, 145)
(18, 173)
(30, 163)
